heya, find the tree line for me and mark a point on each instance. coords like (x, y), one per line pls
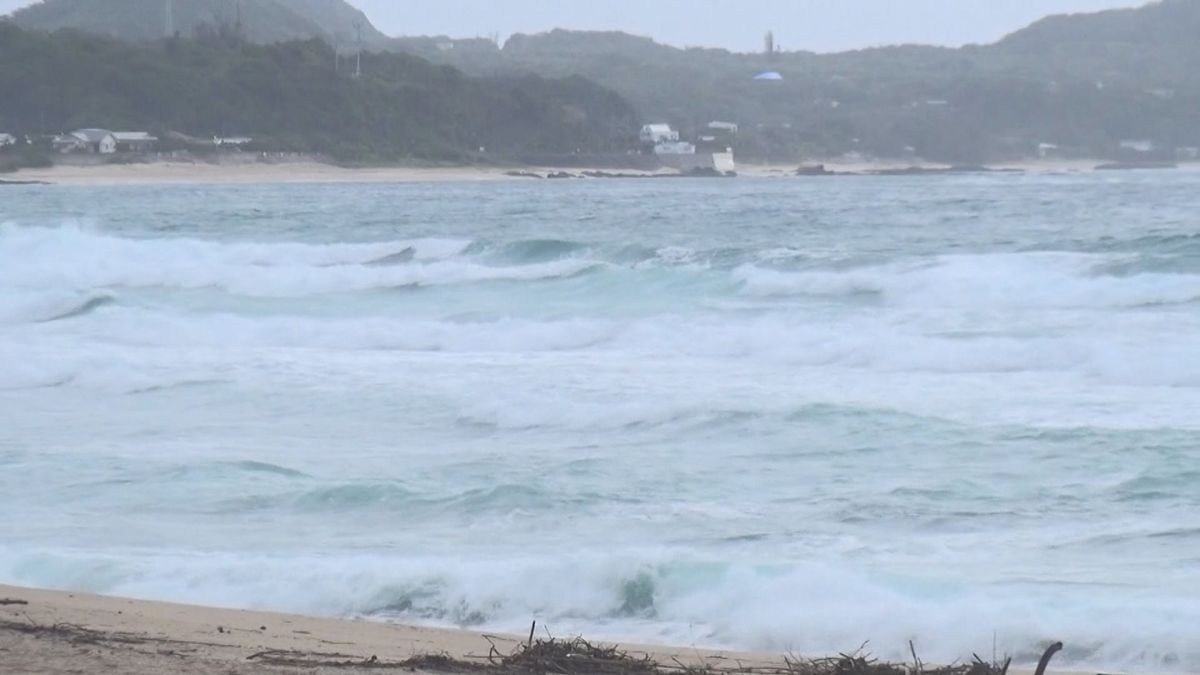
(299, 96)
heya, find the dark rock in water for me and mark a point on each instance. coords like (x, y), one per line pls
(940, 171)
(1135, 166)
(523, 174)
(705, 172)
(399, 258)
(610, 174)
(23, 182)
(561, 174)
(814, 170)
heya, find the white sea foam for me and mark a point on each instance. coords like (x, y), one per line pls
(674, 597)
(1046, 281)
(877, 421)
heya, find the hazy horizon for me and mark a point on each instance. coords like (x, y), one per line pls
(798, 24)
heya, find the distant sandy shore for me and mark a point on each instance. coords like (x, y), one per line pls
(237, 174)
(55, 633)
(182, 173)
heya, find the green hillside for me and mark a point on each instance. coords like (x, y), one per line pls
(288, 96)
(262, 21)
(1078, 85)
(1081, 82)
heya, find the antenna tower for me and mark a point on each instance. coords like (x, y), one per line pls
(358, 30)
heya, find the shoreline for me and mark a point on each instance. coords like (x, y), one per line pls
(45, 632)
(52, 632)
(310, 172)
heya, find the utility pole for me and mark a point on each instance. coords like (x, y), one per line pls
(169, 19)
(358, 29)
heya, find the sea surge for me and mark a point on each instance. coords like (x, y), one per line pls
(773, 415)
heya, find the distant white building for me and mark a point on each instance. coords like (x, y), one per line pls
(235, 141)
(7, 139)
(68, 143)
(728, 127)
(655, 134)
(1046, 150)
(134, 141)
(1138, 145)
(675, 148)
(92, 141)
(769, 76)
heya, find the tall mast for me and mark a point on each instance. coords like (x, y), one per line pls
(358, 29)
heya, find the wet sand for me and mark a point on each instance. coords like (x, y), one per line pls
(56, 633)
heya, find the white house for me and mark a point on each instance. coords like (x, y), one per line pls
(235, 141)
(1046, 150)
(134, 141)
(1138, 145)
(674, 148)
(94, 141)
(68, 143)
(7, 139)
(727, 127)
(654, 134)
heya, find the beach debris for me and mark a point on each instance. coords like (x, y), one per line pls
(573, 657)
(549, 656)
(12, 601)
(1049, 654)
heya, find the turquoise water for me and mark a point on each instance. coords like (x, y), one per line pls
(763, 414)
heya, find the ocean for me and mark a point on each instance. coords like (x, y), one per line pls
(777, 415)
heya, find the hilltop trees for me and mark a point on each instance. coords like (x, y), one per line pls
(289, 96)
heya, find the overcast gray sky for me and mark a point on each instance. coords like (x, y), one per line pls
(820, 25)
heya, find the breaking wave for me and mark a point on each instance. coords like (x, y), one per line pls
(814, 608)
(765, 415)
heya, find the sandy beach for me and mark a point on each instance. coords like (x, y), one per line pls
(186, 173)
(51, 632)
(54, 633)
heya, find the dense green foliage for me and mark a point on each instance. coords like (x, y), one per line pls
(1082, 82)
(289, 96)
(21, 156)
(262, 21)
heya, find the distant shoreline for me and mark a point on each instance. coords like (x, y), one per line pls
(185, 173)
